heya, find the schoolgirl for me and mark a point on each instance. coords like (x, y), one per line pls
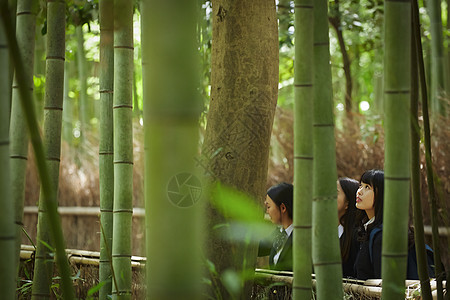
(369, 198)
(347, 214)
(279, 207)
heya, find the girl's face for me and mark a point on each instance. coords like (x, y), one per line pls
(365, 199)
(273, 210)
(342, 203)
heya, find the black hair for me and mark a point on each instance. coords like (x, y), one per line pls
(283, 193)
(375, 178)
(349, 218)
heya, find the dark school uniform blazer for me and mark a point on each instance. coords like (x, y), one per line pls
(348, 270)
(284, 262)
(364, 268)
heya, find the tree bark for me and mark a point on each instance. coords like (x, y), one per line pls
(244, 85)
(335, 21)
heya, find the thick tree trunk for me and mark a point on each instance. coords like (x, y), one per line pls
(106, 143)
(335, 21)
(244, 84)
(397, 97)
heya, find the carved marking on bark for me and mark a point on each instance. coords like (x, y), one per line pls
(221, 13)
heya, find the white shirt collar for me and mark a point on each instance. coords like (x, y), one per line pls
(289, 229)
(340, 230)
(369, 222)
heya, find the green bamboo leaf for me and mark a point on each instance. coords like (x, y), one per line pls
(211, 267)
(232, 282)
(236, 205)
(96, 288)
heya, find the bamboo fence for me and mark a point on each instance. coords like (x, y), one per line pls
(370, 288)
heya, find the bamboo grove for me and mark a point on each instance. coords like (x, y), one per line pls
(211, 78)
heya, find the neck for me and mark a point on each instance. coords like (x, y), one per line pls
(286, 223)
(370, 213)
(339, 219)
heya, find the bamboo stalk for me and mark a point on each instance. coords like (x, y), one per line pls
(415, 166)
(429, 163)
(46, 184)
(303, 148)
(7, 227)
(106, 143)
(397, 86)
(325, 241)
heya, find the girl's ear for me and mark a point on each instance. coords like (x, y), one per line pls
(283, 208)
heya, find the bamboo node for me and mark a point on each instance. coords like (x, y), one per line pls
(123, 106)
(24, 13)
(123, 162)
(303, 157)
(124, 47)
(123, 211)
(324, 125)
(53, 108)
(54, 159)
(303, 85)
(327, 263)
(56, 57)
(18, 157)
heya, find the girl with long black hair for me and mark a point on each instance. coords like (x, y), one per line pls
(347, 214)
